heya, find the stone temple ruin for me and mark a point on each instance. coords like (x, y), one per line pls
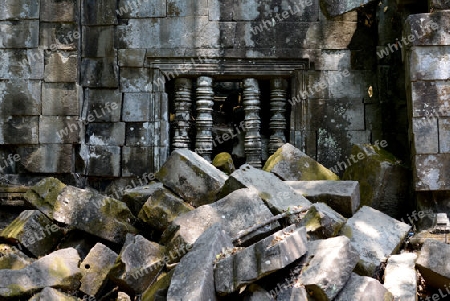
(123, 121)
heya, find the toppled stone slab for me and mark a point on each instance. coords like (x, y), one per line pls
(43, 195)
(138, 264)
(291, 164)
(13, 259)
(375, 236)
(266, 256)
(34, 231)
(238, 211)
(58, 269)
(159, 288)
(161, 208)
(193, 278)
(333, 8)
(434, 263)
(257, 293)
(363, 288)
(51, 294)
(293, 294)
(342, 196)
(322, 222)
(278, 196)
(400, 277)
(95, 268)
(224, 162)
(192, 177)
(136, 197)
(327, 267)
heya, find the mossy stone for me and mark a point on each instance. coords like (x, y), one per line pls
(224, 162)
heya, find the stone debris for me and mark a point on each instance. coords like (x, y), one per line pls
(400, 276)
(322, 222)
(364, 288)
(434, 263)
(51, 294)
(136, 197)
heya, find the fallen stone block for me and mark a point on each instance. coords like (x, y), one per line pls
(121, 296)
(293, 294)
(34, 231)
(161, 208)
(193, 278)
(434, 263)
(224, 162)
(135, 198)
(138, 264)
(327, 266)
(13, 259)
(291, 164)
(278, 196)
(95, 269)
(400, 277)
(257, 293)
(58, 269)
(363, 288)
(43, 195)
(342, 196)
(193, 178)
(51, 294)
(159, 288)
(322, 222)
(266, 256)
(375, 236)
(332, 8)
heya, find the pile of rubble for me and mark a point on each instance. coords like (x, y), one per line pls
(199, 234)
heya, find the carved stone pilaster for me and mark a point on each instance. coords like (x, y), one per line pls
(277, 123)
(204, 121)
(252, 107)
(183, 103)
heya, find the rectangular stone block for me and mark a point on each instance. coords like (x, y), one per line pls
(61, 67)
(19, 130)
(62, 36)
(425, 135)
(444, 135)
(21, 64)
(59, 10)
(432, 172)
(430, 98)
(336, 84)
(99, 73)
(60, 99)
(330, 35)
(58, 129)
(99, 12)
(438, 4)
(47, 158)
(20, 97)
(105, 105)
(98, 41)
(129, 9)
(19, 34)
(143, 133)
(427, 29)
(140, 107)
(183, 8)
(104, 161)
(423, 61)
(137, 160)
(19, 9)
(105, 133)
(135, 80)
(131, 57)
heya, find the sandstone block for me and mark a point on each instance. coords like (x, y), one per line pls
(132, 57)
(104, 160)
(59, 36)
(19, 9)
(135, 79)
(433, 263)
(444, 135)
(57, 129)
(105, 133)
(130, 9)
(61, 67)
(61, 99)
(400, 276)
(137, 161)
(136, 197)
(43, 195)
(47, 158)
(19, 34)
(322, 222)
(104, 105)
(98, 41)
(176, 8)
(422, 60)
(19, 130)
(425, 133)
(432, 172)
(363, 288)
(428, 29)
(140, 107)
(143, 133)
(22, 64)
(99, 73)
(51, 294)
(58, 11)
(20, 97)
(99, 12)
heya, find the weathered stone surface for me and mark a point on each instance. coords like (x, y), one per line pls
(433, 263)
(444, 135)
(99, 12)
(363, 288)
(59, 269)
(59, 129)
(425, 135)
(193, 278)
(422, 60)
(328, 265)
(191, 177)
(103, 160)
(144, 133)
(224, 162)
(291, 164)
(135, 79)
(22, 64)
(430, 99)
(95, 268)
(342, 196)
(47, 158)
(427, 29)
(275, 193)
(98, 41)
(159, 288)
(237, 211)
(19, 130)
(140, 107)
(19, 34)
(293, 294)
(104, 105)
(11, 258)
(333, 9)
(376, 168)
(54, 36)
(20, 97)
(374, 235)
(132, 57)
(438, 4)
(400, 276)
(51, 294)
(58, 11)
(161, 208)
(19, 9)
(265, 257)
(128, 9)
(60, 99)
(44, 194)
(432, 172)
(105, 133)
(177, 8)
(138, 264)
(258, 294)
(99, 73)
(136, 197)
(61, 67)
(34, 231)
(121, 296)
(137, 161)
(322, 222)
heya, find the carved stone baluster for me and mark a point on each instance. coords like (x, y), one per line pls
(183, 103)
(204, 122)
(277, 124)
(252, 122)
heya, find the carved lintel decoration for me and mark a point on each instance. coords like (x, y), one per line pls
(277, 124)
(204, 121)
(183, 103)
(252, 122)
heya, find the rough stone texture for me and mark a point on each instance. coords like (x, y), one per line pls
(97, 103)
(428, 29)
(62, 36)
(342, 196)
(423, 58)
(328, 265)
(132, 57)
(58, 130)
(322, 222)
(191, 177)
(98, 41)
(51, 294)
(58, 11)
(158, 288)
(260, 259)
(19, 34)
(95, 268)
(224, 162)
(432, 172)
(47, 158)
(61, 67)
(22, 64)
(439, 4)
(275, 193)
(193, 278)
(258, 294)
(139, 107)
(426, 139)
(364, 288)
(34, 231)
(99, 12)
(105, 133)
(103, 160)
(374, 235)
(291, 164)
(99, 73)
(135, 198)
(19, 9)
(433, 263)
(400, 276)
(19, 130)
(20, 97)
(334, 9)
(59, 269)
(161, 208)
(11, 258)
(135, 80)
(44, 194)
(61, 99)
